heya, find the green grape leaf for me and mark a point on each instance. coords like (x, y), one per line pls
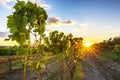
(11, 21)
(26, 14)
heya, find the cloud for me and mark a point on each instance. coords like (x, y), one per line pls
(41, 3)
(4, 3)
(48, 30)
(69, 22)
(54, 21)
(82, 26)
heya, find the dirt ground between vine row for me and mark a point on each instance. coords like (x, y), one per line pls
(96, 69)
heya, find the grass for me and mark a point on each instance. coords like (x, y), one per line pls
(109, 55)
(78, 72)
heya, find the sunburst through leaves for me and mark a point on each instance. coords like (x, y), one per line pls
(87, 51)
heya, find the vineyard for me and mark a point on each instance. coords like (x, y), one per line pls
(57, 56)
(92, 68)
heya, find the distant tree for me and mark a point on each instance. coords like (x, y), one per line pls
(110, 43)
(116, 40)
(27, 18)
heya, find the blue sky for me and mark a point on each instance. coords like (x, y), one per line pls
(94, 20)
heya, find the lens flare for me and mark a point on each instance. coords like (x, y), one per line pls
(88, 44)
(87, 52)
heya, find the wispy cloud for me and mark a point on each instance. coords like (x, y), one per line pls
(48, 30)
(43, 4)
(82, 26)
(54, 21)
(5, 3)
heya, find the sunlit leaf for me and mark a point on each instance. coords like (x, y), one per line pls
(42, 65)
(26, 14)
(38, 65)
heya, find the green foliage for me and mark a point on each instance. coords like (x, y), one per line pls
(46, 42)
(108, 55)
(22, 50)
(26, 14)
(57, 42)
(8, 50)
(78, 72)
(109, 44)
(32, 50)
(27, 18)
(40, 65)
(117, 48)
(13, 50)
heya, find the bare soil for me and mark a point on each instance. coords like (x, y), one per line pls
(95, 68)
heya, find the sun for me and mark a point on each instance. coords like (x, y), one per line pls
(88, 44)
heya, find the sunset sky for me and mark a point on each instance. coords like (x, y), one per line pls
(94, 20)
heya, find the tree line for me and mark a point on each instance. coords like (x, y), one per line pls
(112, 44)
